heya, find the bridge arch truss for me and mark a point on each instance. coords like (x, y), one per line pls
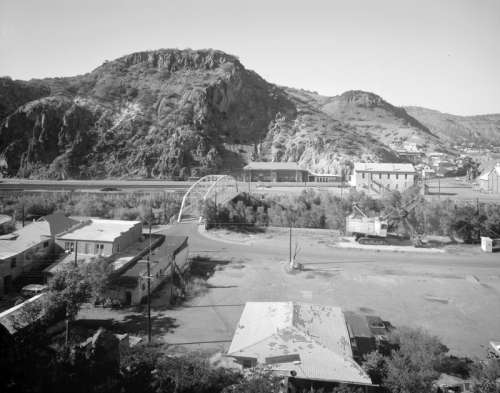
(218, 188)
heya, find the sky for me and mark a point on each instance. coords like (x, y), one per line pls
(440, 54)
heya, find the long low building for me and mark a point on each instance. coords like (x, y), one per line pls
(168, 259)
(378, 177)
(100, 237)
(275, 172)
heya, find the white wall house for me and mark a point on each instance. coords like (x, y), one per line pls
(100, 237)
(381, 177)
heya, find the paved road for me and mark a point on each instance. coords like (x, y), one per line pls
(323, 256)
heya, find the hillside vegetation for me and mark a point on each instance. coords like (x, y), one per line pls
(175, 113)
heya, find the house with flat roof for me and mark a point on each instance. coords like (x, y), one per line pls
(167, 260)
(100, 237)
(30, 247)
(376, 177)
(307, 341)
(275, 172)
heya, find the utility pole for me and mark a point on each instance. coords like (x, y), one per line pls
(22, 213)
(149, 277)
(290, 223)
(76, 253)
(439, 187)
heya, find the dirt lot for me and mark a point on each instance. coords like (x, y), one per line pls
(458, 190)
(455, 295)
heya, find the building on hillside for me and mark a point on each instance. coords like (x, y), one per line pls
(309, 342)
(167, 260)
(381, 177)
(413, 157)
(30, 247)
(489, 181)
(100, 237)
(274, 172)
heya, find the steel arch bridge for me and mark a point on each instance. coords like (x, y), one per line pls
(218, 188)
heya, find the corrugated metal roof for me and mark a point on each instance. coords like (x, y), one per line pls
(274, 166)
(318, 334)
(383, 167)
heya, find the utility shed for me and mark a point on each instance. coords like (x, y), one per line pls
(310, 340)
(362, 339)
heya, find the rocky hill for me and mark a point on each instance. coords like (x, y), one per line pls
(175, 113)
(480, 128)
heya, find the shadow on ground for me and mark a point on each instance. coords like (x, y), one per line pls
(134, 324)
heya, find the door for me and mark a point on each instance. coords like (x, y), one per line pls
(7, 284)
(128, 298)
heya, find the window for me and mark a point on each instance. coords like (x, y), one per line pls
(98, 248)
(388, 175)
(68, 246)
(380, 176)
(363, 175)
(397, 176)
(13, 263)
(406, 176)
(143, 287)
(45, 244)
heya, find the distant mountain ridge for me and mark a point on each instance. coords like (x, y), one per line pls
(176, 113)
(478, 128)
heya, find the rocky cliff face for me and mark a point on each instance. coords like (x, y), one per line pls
(174, 113)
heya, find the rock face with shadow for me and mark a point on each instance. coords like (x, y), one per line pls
(173, 113)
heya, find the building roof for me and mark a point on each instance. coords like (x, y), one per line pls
(24, 238)
(383, 167)
(357, 325)
(170, 246)
(58, 223)
(99, 230)
(446, 380)
(279, 333)
(292, 166)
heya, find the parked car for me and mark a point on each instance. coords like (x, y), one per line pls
(31, 290)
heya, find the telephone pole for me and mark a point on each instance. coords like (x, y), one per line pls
(76, 253)
(149, 278)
